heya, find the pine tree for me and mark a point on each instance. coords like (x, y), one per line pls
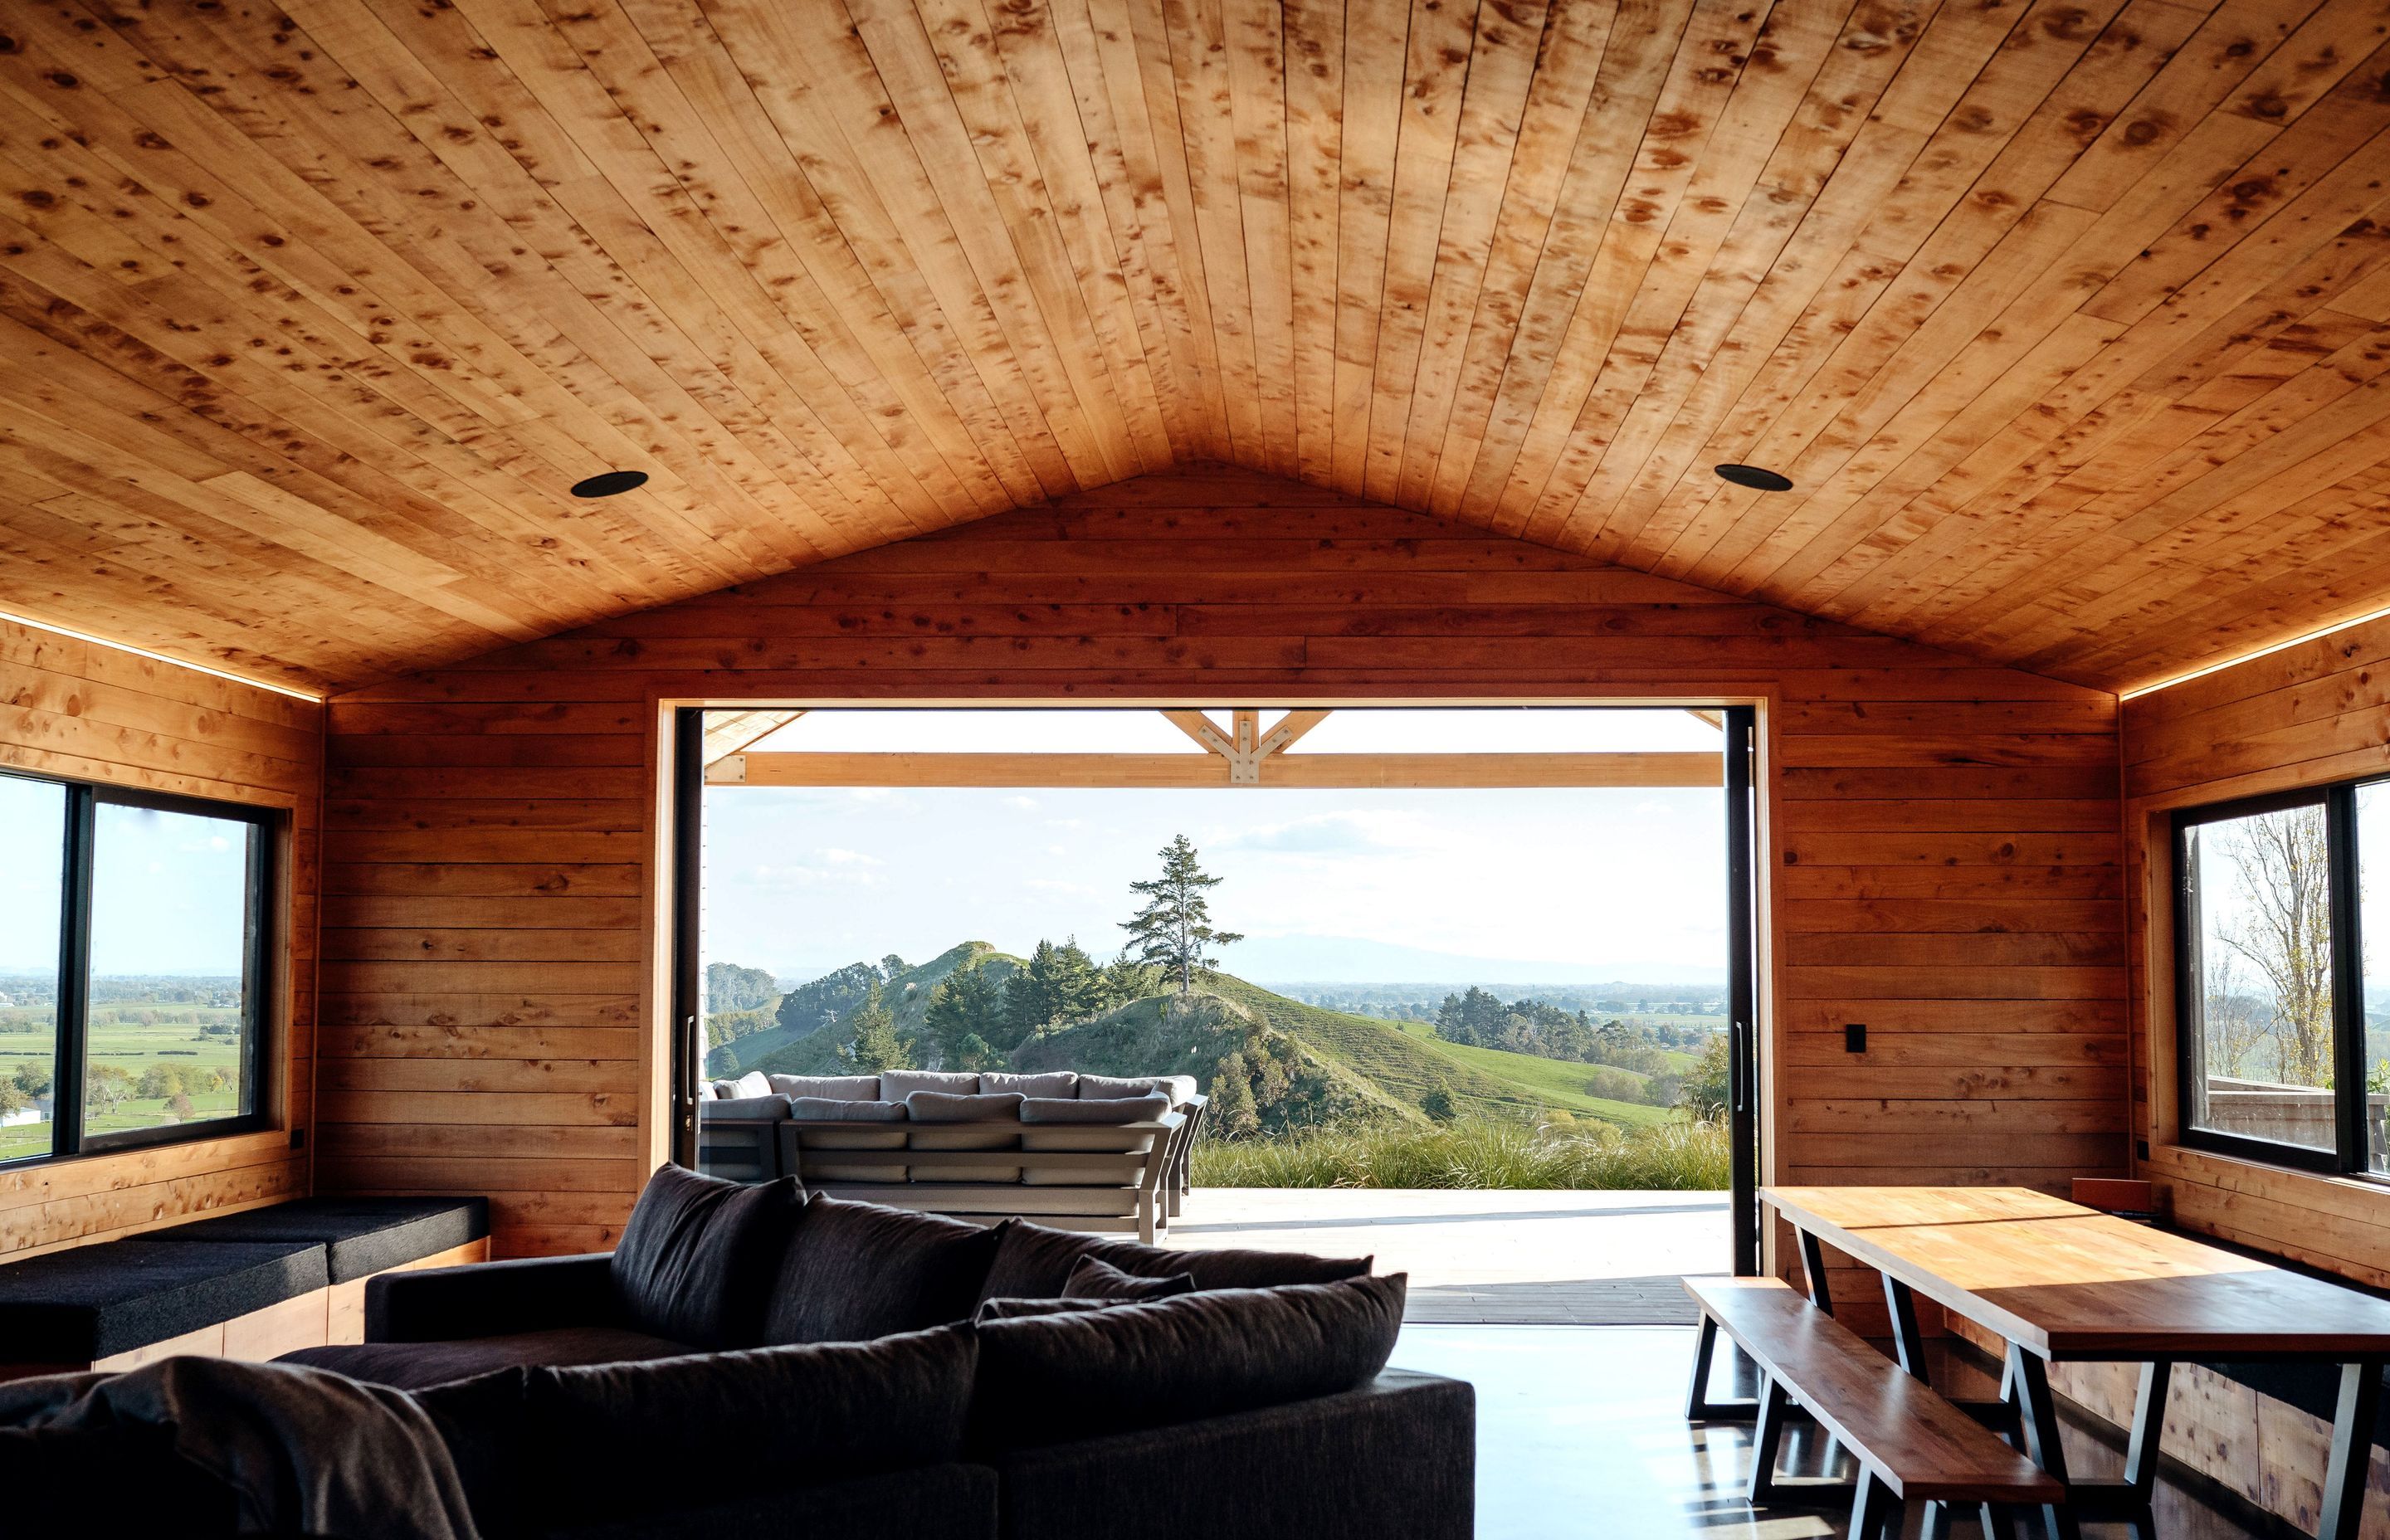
(967, 1007)
(876, 1046)
(1173, 930)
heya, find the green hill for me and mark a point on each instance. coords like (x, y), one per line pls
(808, 1049)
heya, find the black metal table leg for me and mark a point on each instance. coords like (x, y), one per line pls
(1874, 1509)
(1907, 1340)
(2352, 1450)
(1812, 1272)
(1696, 1395)
(2037, 1418)
(1766, 1437)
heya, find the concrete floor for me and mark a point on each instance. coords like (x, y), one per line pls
(1505, 1258)
(1581, 1430)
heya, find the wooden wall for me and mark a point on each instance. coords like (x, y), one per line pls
(82, 711)
(1942, 849)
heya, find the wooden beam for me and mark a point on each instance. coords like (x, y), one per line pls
(1315, 771)
(1715, 718)
(728, 732)
(1195, 725)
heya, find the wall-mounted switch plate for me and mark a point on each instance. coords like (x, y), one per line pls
(1855, 1037)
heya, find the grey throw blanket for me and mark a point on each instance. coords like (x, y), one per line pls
(309, 1452)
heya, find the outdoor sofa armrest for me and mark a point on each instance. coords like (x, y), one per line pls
(491, 1299)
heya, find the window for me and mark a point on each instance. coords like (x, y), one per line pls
(134, 986)
(2279, 1048)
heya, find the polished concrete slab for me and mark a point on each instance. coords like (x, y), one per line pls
(1581, 1432)
(1584, 1258)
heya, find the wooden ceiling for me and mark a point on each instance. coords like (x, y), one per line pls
(2070, 321)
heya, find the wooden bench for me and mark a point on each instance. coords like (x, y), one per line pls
(1910, 1444)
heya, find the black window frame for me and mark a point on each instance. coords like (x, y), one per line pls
(2349, 1156)
(261, 994)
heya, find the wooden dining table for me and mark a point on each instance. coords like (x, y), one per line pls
(2061, 1283)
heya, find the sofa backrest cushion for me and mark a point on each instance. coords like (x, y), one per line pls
(696, 1261)
(939, 1107)
(1145, 1108)
(830, 1109)
(855, 1271)
(754, 1083)
(1095, 1278)
(896, 1084)
(1178, 1088)
(1046, 1379)
(836, 1087)
(747, 1109)
(1034, 1262)
(1056, 1082)
(1013, 1310)
(545, 1448)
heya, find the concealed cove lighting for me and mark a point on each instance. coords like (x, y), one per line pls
(1753, 477)
(610, 484)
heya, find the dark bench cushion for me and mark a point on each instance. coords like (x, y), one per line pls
(93, 1302)
(359, 1235)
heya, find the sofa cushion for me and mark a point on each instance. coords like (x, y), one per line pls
(811, 1109)
(897, 1084)
(696, 1261)
(834, 1087)
(1054, 1082)
(1048, 1379)
(754, 1083)
(855, 1271)
(582, 1445)
(977, 1123)
(1095, 1278)
(1149, 1108)
(772, 1108)
(1034, 1262)
(943, 1107)
(1013, 1310)
(1178, 1088)
(359, 1235)
(93, 1302)
(409, 1365)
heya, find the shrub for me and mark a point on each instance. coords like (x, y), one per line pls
(1475, 1152)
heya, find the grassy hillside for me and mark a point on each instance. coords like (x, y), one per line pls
(1406, 1067)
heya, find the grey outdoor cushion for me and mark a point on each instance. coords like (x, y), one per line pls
(359, 1235)
(754, 1083)
(1057, 1083)
(1119, 1110)
(897, 1084)
(938, 1106)
(830, 1109)
(1178, 1088)
(1046, 1379)
(745, 1109)
(835, 1087)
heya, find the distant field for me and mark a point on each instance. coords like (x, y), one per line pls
(122, 1040)
(1554, 1082)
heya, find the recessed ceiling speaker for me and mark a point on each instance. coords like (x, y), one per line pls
(1754, 478)
(613, 484)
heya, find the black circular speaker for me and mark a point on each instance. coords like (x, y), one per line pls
(1752, 477)
(613, 484)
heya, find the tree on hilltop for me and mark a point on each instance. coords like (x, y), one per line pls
(1174, 930)
(876, 1047)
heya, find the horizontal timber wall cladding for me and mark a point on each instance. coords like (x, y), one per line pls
(1945, 852)
(84, 712)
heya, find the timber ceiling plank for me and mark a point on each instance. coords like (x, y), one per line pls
(2069, 322)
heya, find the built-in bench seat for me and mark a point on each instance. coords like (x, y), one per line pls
(1910, 1444)
(251, 1285)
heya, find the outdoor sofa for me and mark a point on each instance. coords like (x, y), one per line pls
(1112, 1151)
(747, 1362)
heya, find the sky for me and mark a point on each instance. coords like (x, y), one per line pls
(1577, 885)
(166, 887)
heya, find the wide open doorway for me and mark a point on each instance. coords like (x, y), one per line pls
(1520, 923)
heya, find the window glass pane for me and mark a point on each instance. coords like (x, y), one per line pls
(2260, 934)
(33, 848)
(2374, 931)
(170, 994)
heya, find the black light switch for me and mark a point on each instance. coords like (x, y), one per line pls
(1855, 1037)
